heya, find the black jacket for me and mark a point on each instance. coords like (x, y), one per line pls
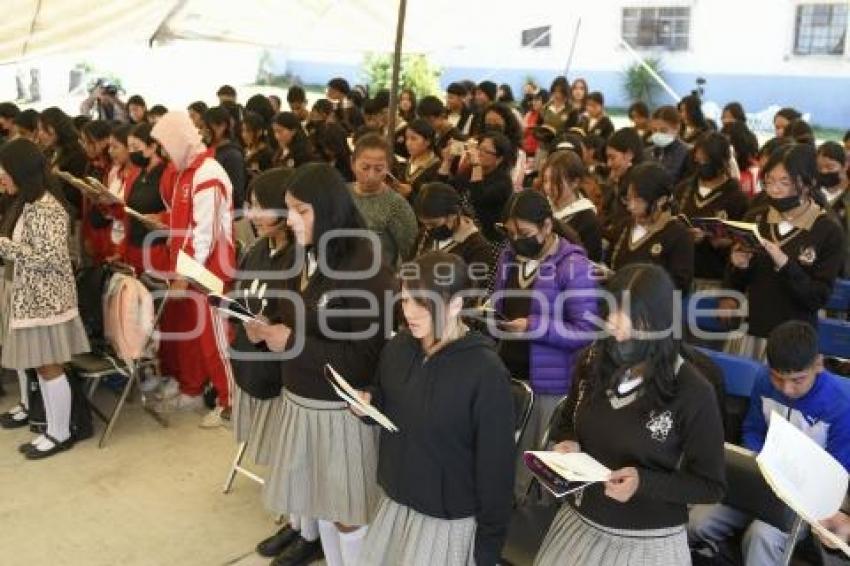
(453, 456)
(231, 158)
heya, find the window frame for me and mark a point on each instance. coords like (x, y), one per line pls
(672, 45)
(797, 15)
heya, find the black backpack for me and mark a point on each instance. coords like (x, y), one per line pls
(91, 288)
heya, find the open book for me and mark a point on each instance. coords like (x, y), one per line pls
(190, 269)
(803, 475)
(348, 394)
(563, 474)
(743, 233)
(97, 191)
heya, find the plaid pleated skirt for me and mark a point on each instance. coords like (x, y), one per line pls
(324, 463)
(400, 535)
(257, 422)
(572, 540)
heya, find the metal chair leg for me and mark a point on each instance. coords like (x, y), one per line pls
(791, 542)
(234, 468)
(116, 411)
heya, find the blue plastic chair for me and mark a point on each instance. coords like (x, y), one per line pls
(834, 338)
(705, 323)
(739, 373)
(840, 298)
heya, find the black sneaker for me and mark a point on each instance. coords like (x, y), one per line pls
(299, 553)
(277, 543)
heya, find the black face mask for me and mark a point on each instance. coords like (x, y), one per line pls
(627, 353)
(829, 180)
(440, 233)
(708, 170)
(785, 204)
(529, 246)
(138, 159)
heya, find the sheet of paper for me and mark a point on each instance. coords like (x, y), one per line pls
(189, 268)
(348, 394)
(803, 475)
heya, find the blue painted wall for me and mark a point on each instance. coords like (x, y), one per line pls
(826, 98)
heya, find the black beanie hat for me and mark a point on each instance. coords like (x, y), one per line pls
(436, 200)
(424, 129)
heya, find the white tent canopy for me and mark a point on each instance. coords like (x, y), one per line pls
(36, 28)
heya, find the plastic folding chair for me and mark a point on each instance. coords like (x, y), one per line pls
(96, 366)
(237, 468)
(834, 338)
(523, 405)
(748, 492)
(739, 373)
(839, 301)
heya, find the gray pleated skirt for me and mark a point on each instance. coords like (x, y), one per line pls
(257, 422)
(324, 463)
(573, 540)
(400, 535)
(27, 348)
(748, 346)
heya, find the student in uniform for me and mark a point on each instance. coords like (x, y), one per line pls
(58, 138)
(642, 411)
(558, 113)
(815, 401)
(144, 193)
(41, 328)
(447, 474)
(423, 164)
(711, 192)
(783, 118)
(502, 118)
(563, 175)
(292, 141)
(324, 462)
(578, 95)
(745, 146)
(733, 112)
(459, 114)
(595, 121)
(623, 151)
(488, 186)
(385, 211)
(258, 152)
(653, 234)
(432, 110)
(693, 119)
(791, 276)
(665, 145)
(446, 227)
(543, 288)
(639, 115)
(96, 227)
(832, 179)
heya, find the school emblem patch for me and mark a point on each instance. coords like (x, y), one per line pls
(656, 249)
(660, 425)
(807, 256)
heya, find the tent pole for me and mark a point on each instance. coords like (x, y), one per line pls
(399, 35)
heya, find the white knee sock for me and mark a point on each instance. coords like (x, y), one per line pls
(350, 544)
(309, 529)
(57, 401)
(295, 522)
(23, 382)
(330, 543)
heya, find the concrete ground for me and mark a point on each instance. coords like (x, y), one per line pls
(151, 497)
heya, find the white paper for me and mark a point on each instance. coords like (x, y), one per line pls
(575, 466)
(801, 473)
(349, 395)
(189, 268)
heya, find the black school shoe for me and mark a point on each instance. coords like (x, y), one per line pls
(8, 420)
(277, 543)
(299, 553)
(34, 453)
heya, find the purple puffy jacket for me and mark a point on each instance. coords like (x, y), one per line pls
(553, 353)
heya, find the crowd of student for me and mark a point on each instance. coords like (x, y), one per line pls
(530, 206)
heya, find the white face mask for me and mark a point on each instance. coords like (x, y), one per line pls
(660, 139)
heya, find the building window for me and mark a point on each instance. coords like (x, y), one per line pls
(820, 29)
(665, 28)
(537, 37)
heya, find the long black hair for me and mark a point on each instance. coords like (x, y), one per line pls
(533, 206)
(24, 162)
(321, 186)
(299, 148)
(692, 106)
(67, 137)
(801, 162)
(513, 129)
(647, 292)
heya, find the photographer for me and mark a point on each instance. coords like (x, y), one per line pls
(103, 103)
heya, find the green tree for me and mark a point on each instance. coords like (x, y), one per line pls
(416, 73)
(639, 84)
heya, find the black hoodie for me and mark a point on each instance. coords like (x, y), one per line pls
(454, 454)
(232, 160)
